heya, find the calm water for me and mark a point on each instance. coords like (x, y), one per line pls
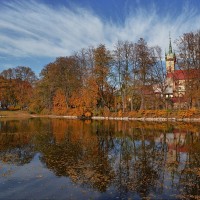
(63, 159)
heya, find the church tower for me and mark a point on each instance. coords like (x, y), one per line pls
(170, 59)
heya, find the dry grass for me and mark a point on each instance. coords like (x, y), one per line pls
(192, 113)
(14, 114)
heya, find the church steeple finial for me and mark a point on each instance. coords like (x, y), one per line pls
(170, 44)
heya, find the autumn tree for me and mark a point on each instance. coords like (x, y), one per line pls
(188, 57)
(3, 91)
(25, 74)
(69, 76)
(85, 60)
(20, 82)
(7, 88)
(38, 103)
(144, 63)
(64, 74)
(59, 103)
(102, 73)
(23, 93)
(86, 97)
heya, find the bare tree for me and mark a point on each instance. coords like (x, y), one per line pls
(143, 70)
(189, 62)
(123, 69)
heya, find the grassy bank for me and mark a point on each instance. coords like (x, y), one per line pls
(180, 114)
(191, 113)
(14, 114)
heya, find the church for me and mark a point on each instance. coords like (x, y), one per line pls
(176, 80)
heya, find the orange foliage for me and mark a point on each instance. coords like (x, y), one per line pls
(86, 98)
(59, 103)
(88, 114)
(106, 112)
(188, 113)
(23, 92)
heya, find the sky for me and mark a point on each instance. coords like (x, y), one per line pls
(34, 33)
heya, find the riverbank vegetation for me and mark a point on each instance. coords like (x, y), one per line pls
(149, 115)
(127, 81)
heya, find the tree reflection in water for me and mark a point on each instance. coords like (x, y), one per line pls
(76, 153)
(15, 143)
(133, 159)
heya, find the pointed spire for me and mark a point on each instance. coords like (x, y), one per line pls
(170, 44)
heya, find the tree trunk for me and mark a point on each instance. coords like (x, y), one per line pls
(142, 105)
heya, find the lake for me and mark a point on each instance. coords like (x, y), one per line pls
(72, 159)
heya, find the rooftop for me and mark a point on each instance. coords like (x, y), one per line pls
(184, 74)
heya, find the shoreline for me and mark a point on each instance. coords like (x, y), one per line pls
(144, 119)
(150, 119)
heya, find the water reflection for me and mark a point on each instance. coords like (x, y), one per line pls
(117, 159)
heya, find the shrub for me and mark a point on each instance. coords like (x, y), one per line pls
(120, 113)
(106, 112)
(14, 108)
(88, 114)
(45, 111)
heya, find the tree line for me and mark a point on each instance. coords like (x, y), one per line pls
(96, 79)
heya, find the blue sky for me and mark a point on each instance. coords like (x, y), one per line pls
(35, 32)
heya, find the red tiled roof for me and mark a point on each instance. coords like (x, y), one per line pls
(184, 74)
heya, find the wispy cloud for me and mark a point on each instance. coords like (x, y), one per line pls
(30, 28)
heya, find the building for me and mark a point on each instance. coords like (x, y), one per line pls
(177, 79)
